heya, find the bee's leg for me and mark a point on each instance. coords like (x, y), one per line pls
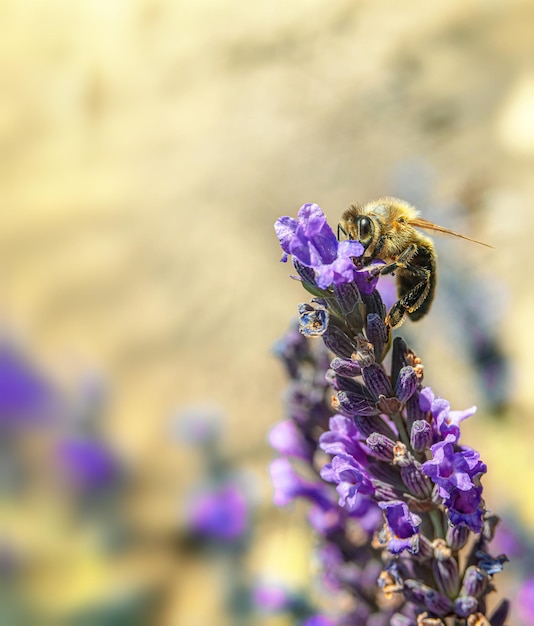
(402, 261)
(411, 300)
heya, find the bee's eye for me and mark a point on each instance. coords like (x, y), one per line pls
(365, 228)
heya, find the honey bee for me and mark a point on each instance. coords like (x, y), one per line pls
(386, 228)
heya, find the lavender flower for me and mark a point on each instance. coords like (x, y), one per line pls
(88, 465)
(220, 513)
(400, 476)
(311, 241)
(403, 527)
(27, 397)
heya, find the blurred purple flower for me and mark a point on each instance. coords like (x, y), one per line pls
(88, 464)
(311, 241)
(525, 602)
(508, 541)
(271, 598)
(290, 441)
(220, 513)
(289, 485)
(26, 396)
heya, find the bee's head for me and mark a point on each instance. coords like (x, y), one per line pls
(365, 230)
(359, 227)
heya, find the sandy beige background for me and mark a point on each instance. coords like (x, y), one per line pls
(147, 147)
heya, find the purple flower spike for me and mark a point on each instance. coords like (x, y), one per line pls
(288, 440)
(27, 398)
(271, 597)
(88, 464)
(403, 524)
(221, 513)
(311, 241)
(393, 447)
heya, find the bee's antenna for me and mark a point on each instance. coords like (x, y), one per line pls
(340, 229)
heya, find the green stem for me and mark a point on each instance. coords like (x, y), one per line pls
(401, 427)
(437, 522)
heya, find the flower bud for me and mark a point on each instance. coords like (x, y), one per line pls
(356, 404)
(354, 386)
(369, 424)
(475, 582)
(377, 381)
(337, 341)
(365, 353)
(418, 484)
(465, 605)
(421, 435)
(381, 447)
(377, 333)
(406, 383)
(457, 536)
(446, 575)
(345, 367)
(398, 358)
(419, 593)
(351, 304)
(373, 304)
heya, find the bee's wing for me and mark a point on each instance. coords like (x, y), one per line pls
(418, 222)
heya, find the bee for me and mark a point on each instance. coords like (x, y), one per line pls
(386, 228)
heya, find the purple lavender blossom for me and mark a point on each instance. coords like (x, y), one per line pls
(447, 422)
(343, 439)
(88, 465)
(402, 525)
(453, 470)
(351, 480)
(289, 485)
(220, 513)
(26, 396)
(271, 597)
(394, 450)
(456, 475)
(287, 439)
(311, 241)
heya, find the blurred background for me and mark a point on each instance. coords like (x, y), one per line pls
(146, 149)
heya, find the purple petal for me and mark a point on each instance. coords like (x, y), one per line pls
(285, 229)
(288, 440)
